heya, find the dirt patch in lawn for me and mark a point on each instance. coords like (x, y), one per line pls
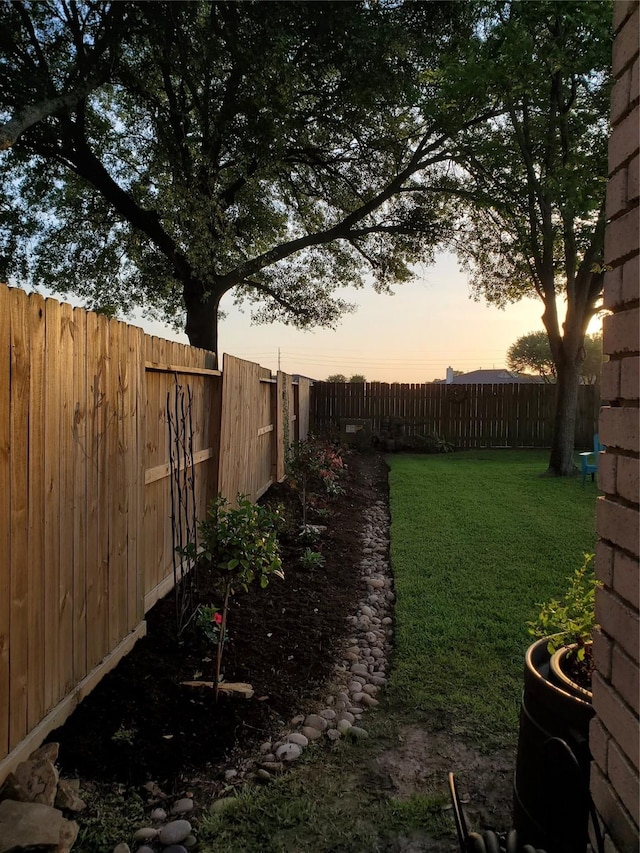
(141, 723)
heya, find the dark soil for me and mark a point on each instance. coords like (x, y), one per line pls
(141, 723)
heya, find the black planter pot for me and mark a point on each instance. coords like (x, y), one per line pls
(551, 786)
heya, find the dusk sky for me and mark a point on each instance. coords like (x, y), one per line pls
(412, 336)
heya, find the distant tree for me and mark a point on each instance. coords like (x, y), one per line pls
(163, 154)
(591, 367)
(337, 377)
(532, 353)
(357, 377)
(534, 180)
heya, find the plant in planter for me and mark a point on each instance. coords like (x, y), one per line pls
(568, 623)
(553, 742)
(241, 544)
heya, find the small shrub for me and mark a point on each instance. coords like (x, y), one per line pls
(241, 544)
(571, 619)
(312, 559)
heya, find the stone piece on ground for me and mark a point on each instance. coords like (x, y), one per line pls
(328, 714)
(158, 814)
(122, 848)
(182, 806)
(311, 733)
(299, 718)
(263, 775)
(36, 781)
(25, 825)
(190, 841)
(367, 700)
(265, 747)
(357, 733)
(344, 726)
(155, 791)
(288, 752)
(145, 833)
(67, 796)
(145, 849)
(316, 722)
(174, 832)
(175, 848)
(46, 752)
(68, 835)
(231, 774)
(273, 766)
(371, 689)
(333, 734)
(345, 715)
(359, 669)
(298, 738)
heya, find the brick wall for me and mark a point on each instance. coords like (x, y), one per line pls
(614, 732)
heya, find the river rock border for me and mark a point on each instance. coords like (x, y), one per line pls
(361, 673)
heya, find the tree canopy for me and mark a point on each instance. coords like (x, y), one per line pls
(533, 179)
(161, 154)
(532, 352)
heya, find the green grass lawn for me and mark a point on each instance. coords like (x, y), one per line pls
(478, 540)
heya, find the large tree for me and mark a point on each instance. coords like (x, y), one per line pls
(162, 154)
(533, 180)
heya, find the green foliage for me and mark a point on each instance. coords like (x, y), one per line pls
(477, 539)
(572, 618)
(241, 542)
(312, 559)
(208, 621)
(429, 442)
(357, 377)
(532, 352)
(282, 158)
(337, 377)
(314, 468)
(534, 175)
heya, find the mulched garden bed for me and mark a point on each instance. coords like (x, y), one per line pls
(140, 723)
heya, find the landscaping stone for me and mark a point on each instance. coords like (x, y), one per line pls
(68, 797)
(299, 739)
(183, 806)
(24, 825)
(289, 752)
(175, 848)
(158, 814)
(316, 721)
(122, 848)
(146, 833)
(174, 832)
(358, 733)
(311, 733)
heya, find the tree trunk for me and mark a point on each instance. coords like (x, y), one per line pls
(202, 316)
(564, 426)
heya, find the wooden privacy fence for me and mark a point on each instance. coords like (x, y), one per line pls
(85, 504)
(468, 416)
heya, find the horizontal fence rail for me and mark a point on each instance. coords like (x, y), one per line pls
(468, 416)
(86, 543)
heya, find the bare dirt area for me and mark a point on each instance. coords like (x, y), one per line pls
(142, 724)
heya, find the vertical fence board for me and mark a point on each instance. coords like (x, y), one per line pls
(18, 519)
(36, 561)
(80, 459)
(5, 513)
(67, 503)
(52, 500)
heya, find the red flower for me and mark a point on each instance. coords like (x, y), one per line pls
(217, 618)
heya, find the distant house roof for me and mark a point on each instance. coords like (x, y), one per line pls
(495, 377)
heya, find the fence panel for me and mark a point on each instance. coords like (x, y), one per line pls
(85, 491)
(510, 415)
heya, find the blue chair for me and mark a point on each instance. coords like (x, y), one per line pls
(589, 459)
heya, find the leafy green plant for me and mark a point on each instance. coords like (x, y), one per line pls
(312, 559)
(570, 620)
(241, 544)
(208, 620)
(313, 466)
(309, 535)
